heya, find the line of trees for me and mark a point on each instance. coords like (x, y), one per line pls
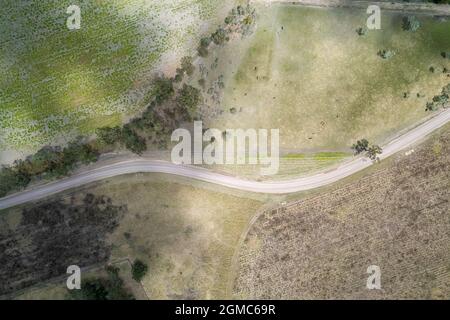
(48, 163)
(164, 114)
(239, 20)
(124, 136)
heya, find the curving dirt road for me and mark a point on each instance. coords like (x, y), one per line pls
(278, 187)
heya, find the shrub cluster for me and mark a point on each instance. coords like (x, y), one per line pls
(138, 270)
(372, 151)
(411, 23)
(105, 288)
(439, 101)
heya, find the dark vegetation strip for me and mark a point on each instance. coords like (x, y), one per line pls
(53, 235)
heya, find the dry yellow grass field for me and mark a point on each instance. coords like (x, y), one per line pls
(187, 234)
(307, 72)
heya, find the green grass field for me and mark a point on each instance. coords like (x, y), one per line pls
(307, 72)
(290, 165)
(57, 83)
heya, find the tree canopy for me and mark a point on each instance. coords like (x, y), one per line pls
(138, 270)
(360, 146)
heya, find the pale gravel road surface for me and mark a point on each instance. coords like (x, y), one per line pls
(274, 187)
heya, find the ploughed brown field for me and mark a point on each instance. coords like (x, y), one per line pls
(398, 218)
